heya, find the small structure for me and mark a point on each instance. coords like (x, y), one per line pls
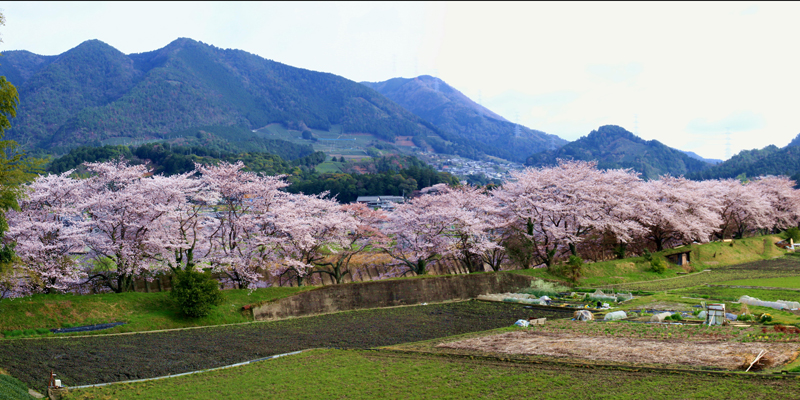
(716, 314)
(682, 258)
(382, 202)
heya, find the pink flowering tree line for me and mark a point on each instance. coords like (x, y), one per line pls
(122, 222)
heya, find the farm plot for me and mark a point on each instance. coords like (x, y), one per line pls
(627, 344)
(691, 353)
(98, 359)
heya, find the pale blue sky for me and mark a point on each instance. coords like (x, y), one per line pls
(681, 73)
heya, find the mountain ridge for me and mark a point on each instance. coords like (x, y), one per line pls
(614, 147)
(460, 119)
(93, 92)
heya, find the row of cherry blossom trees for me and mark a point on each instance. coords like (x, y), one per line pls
(122, 222)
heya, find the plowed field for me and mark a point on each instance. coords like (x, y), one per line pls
(98, 359)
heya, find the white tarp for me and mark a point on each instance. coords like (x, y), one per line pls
(778, 305)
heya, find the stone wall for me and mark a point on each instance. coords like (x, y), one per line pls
(388, 293)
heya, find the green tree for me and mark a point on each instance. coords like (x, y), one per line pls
(195, 293)
(15, 168)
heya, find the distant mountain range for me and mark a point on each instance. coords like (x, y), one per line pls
(94, 92)
(696, 156)
(614, 147)
(463, 121)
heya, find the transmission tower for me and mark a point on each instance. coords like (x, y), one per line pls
(436, 80)
(517, 130)
(728, 152)
(635, 124)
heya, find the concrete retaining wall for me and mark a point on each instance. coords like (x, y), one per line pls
(388, 293)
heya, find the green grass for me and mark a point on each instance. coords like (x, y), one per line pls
(703, 256)
(329, 167)
(141, 311)
(791, 282)
(339, 374)
(13, 389)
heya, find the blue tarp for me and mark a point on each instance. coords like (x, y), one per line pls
(87, 328)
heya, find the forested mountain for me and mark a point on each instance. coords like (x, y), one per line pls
(614, 147)
(770, 160)
(94, 92)
(462, 121)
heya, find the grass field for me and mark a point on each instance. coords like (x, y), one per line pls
(340, 374)
(141, 311)
(790, 282)
(351, 148)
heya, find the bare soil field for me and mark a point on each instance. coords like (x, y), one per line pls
(683, 352)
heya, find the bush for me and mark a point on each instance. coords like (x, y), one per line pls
(744, 317)
(765, 318)
(676, 317)
(658, 265)
(791, 233)
(647, 255)
(574, 269)
(195, 293)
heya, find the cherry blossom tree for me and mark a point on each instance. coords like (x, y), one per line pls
(678, 210)
(784, 200)
(183, 233)
(417, 230)
(363, 236)
(311, 227)
(742, 207)
(245, 237)
(553, 209)
(473, 226)
(122, 207)
(49, 233)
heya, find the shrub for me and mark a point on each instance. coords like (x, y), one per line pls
(574, 269)
(195, 293)
(792, 233)
(658, 265)
(765, 318)
(676, 317)
(647, 255)
(744, 317)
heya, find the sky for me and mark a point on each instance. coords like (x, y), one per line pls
(710, 77)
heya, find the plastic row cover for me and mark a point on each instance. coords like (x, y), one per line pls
(778, 305)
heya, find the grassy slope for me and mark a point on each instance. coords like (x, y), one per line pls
(141, 311)
(330, 374)
(705, 256)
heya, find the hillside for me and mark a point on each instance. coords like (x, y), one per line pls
(463, 121)
(614, 147)
(94, 93)
(770, 160)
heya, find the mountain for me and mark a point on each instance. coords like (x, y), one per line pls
(614, 147)
(696, 156)
(770, 160)
(794, 142)
(461, 120)
(94, 93)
